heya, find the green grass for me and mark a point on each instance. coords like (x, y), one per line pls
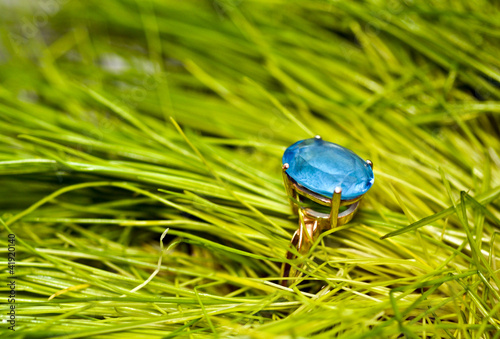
(122, 119)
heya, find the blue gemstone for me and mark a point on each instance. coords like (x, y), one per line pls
(321, 166)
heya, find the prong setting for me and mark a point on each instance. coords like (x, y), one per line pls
(300, 188)
(318, 198)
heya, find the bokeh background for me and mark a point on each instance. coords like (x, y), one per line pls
(140, 159)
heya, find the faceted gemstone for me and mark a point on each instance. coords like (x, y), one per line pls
(321, 166)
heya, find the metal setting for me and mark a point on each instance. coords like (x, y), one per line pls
(313, 223)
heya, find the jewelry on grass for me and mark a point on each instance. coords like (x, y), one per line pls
(327, 174)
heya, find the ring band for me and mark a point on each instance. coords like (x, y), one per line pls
(312, 223)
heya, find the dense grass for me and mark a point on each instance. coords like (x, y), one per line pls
(140, 158)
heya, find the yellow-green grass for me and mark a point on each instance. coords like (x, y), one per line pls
(123, 122)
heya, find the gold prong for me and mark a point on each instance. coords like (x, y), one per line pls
(334, 212)
(370, 163)
(317, 136)
(289, 188)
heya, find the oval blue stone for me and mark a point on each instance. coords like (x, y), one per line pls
(321, 166)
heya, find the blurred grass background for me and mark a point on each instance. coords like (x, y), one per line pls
(125, 121)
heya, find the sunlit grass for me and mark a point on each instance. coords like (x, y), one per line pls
(120, 120)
